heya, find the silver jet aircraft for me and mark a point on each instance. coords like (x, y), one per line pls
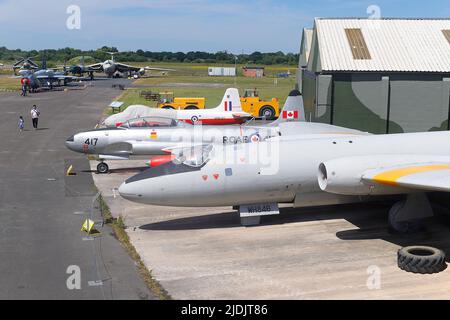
(110, 67)
(165, 136)
(321, 165)
(45, 78)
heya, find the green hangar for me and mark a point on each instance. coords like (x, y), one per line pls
(377, 75)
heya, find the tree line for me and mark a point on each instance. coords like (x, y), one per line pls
(101, 54)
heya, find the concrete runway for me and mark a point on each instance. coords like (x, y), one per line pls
(340, 252)
(40, 208)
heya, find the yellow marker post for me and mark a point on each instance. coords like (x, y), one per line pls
(88, 227)
(70, 172)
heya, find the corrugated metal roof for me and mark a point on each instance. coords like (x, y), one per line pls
(396, 45)
(305, 48)
(308, 33)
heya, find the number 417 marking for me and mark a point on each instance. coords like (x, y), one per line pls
(92, 142)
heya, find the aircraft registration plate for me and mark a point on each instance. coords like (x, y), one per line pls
(263, 209)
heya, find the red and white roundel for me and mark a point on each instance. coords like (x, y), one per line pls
(255, 138)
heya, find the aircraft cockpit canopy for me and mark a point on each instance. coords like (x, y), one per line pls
(194, 157)
(150, 122)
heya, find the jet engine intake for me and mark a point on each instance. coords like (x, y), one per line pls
(344, 176)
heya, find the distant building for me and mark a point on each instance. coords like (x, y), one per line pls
(377, 75)
(305, 47)
(253, 72)
(222, 72)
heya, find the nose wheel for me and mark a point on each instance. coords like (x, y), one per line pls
(102, 168)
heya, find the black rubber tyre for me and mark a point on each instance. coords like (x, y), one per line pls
(191, 108)
(267, 112)
(168, 107)
(102, 168)
(421, 259)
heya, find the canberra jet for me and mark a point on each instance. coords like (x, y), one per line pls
(164, 137)
(229, 111)
(321, 165)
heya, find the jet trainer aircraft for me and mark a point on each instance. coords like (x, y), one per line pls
(322, 165)
(164, 136)
(229, 111)
(111, 67)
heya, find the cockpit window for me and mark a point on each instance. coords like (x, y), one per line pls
(194, 157)
(150, 122)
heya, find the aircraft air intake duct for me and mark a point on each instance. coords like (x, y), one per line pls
(345, 176)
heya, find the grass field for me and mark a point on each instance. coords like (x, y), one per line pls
(7, 83)
(198, 69)
(192, 81)
(7, 71)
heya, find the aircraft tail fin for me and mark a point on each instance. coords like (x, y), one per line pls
(230, 101)
(44, 62)
(293, 109)
(112, 55)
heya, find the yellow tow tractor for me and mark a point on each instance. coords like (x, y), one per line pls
(167, 100)
(253, 104)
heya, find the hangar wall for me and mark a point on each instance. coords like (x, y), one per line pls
(378, 103)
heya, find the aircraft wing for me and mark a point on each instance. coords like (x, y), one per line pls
(119, 148)
(94, 67)
(158, 69)
(184, 147)
(125, 67)
(428, 176)
(58, 77)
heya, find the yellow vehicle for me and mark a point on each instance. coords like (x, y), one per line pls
(250, 102)
(168, 101)
(253, 104)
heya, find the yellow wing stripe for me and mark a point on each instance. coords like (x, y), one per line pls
(390, 177)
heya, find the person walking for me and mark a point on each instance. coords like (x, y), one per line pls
(35, 116)
(21, 123)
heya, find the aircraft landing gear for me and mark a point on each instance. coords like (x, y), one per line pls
(102, 168)
(406, 216)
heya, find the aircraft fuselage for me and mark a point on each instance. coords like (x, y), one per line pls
(284, 172)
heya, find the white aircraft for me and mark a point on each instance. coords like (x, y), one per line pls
(320, 165)
(228, 112)
(159, 136)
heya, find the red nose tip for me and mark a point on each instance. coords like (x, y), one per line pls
(159, 160)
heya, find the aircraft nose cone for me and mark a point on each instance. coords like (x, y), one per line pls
(70, 142)
(129, 191)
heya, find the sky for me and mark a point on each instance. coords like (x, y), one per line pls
(238, 26)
